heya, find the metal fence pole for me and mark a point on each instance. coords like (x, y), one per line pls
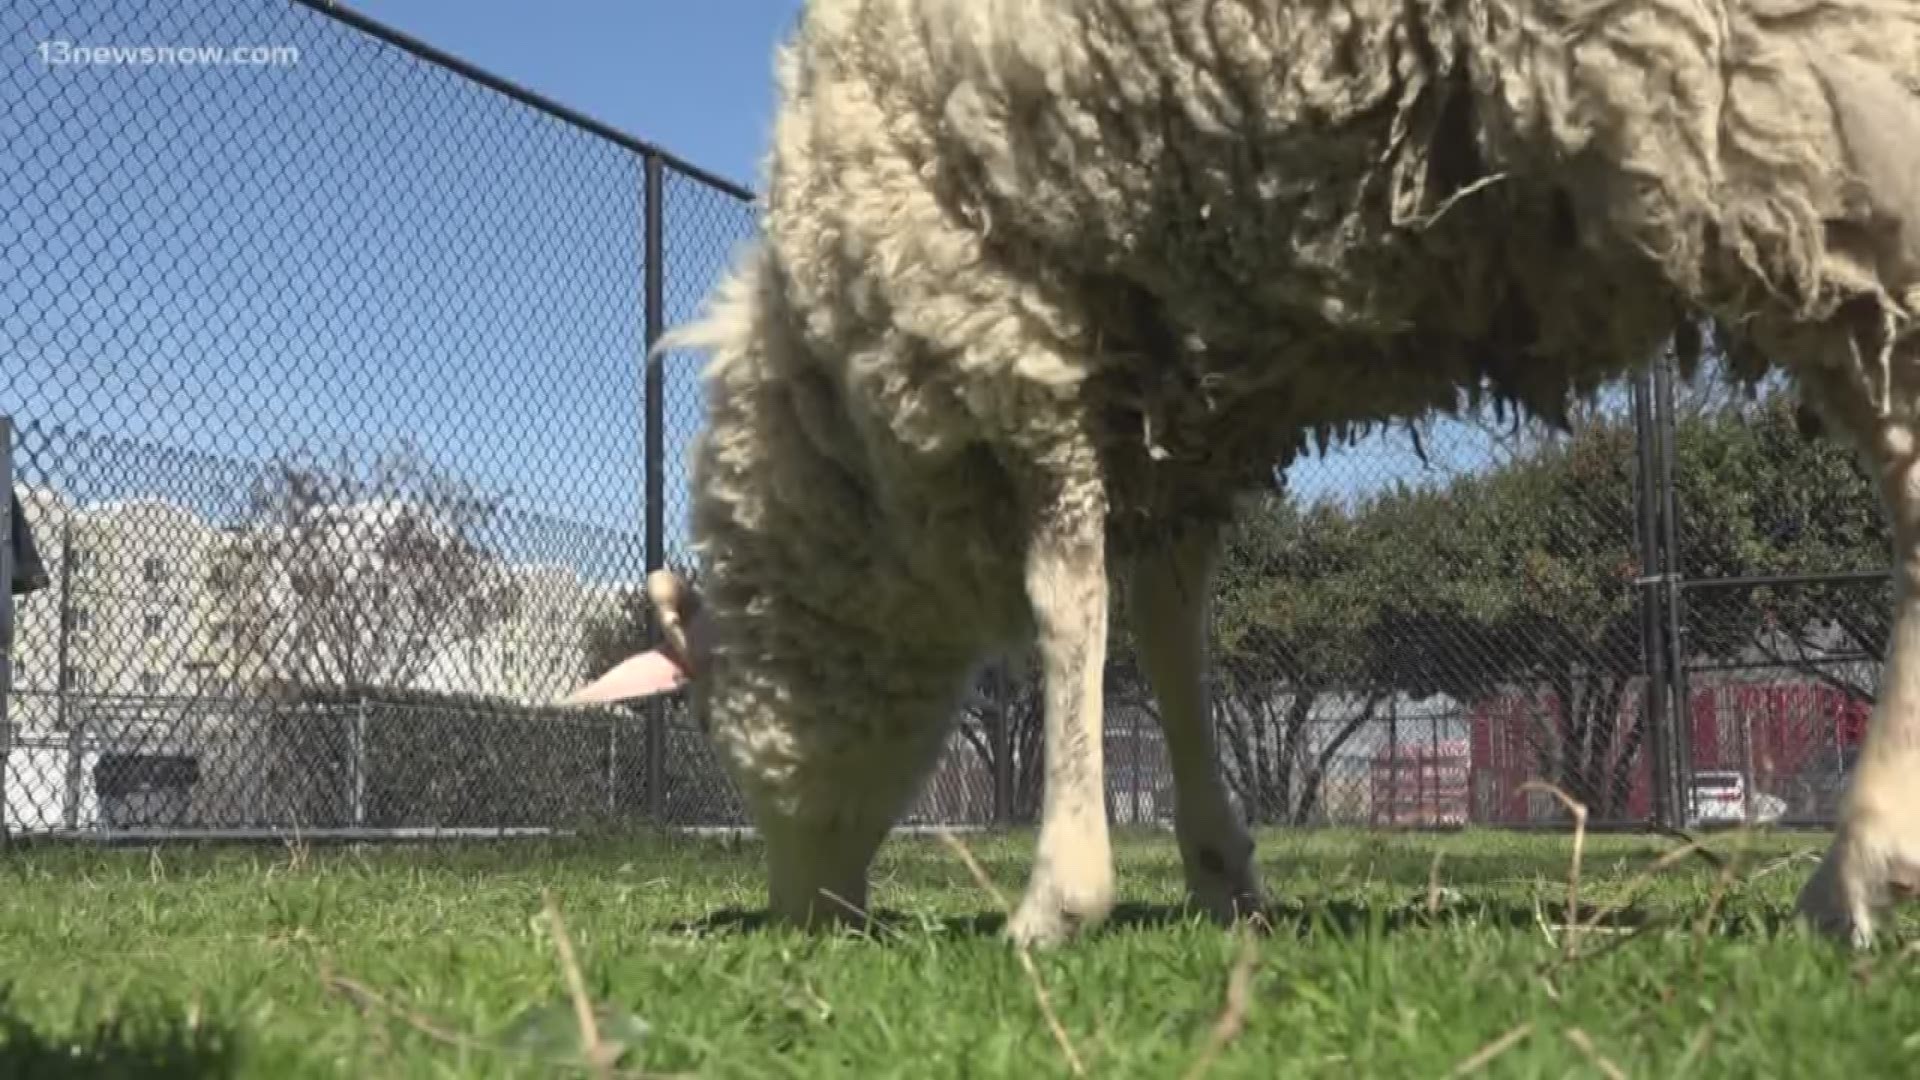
(1655, 712)
(1433, 767)
(1139, 799)
(360, 763)
(1679, 700)
(1000, 733)
(1393, 761)
(655, 437)
(6, 613)
(1746, 766)
(73, 721)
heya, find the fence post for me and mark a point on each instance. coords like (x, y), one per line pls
(1679, 697)
(999, 732)
(1393, 761)
(1654, 705)
(1139, 773)
(655, 438)
(73, 722)
(360, 763)
(6, 615)
(613, 758)
(1746, 766)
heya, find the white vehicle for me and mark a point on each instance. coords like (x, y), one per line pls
(1719, 797)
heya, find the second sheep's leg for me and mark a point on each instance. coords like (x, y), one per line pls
(1875, 854)
(1066, 583)
(1169, 608)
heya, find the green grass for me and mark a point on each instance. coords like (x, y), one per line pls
(215, 962)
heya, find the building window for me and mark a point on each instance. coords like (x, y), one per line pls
(153, 625)
(80, 618)
(153, 569)
(76, 677)
(149, 682)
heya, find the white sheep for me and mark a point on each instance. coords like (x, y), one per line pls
(1041, 283)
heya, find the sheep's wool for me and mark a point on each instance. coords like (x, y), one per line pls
(1162, 243)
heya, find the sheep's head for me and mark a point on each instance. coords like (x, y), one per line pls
(678, 660)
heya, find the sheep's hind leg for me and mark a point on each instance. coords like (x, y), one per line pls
(1169, 617)
(1875, 853)
(1066, 581)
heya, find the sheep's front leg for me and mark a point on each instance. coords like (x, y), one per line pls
(1169, 616)
(1875, 854)
(819, 853)
(824, 814)
(827, 748)
(1066, 582)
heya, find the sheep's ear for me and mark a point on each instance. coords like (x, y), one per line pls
(638, 676)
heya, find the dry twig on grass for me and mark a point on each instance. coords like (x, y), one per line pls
(599, 1055)
(1579, 812)
(1480, 1058)
(1026, 959)
(1640, 881)
(1584, 1043)
(1629, 893)
(868, 921)
(1709, 857)
(366, 999)
(1233, 1015)
(1722, 882)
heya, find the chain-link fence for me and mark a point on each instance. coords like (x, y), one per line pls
(335, 432)
(326, 354)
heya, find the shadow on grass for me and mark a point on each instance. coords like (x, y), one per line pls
(1341, 918)
(886, 923)
(146, 1043)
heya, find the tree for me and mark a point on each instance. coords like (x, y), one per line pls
(1760, 497)
(1298, 603)
(1007, 707)
(1563, 542)
(1543, 558)
(357, 577)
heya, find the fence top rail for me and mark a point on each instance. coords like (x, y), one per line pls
(1844, 577)
(365, 23)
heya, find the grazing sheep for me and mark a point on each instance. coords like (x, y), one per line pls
(1041, 283)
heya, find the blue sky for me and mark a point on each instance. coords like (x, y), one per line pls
(201, 267)
(692, 76)
(204, 266)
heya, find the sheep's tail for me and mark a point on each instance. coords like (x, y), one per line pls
(727, 315)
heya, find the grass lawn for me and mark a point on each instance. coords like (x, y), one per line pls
(439, 962)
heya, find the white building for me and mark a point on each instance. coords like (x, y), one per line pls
(132, 647)
(124, 609)
(132, 612)
(538, 653)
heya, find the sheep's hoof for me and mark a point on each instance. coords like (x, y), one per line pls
(1047, 917)
(1864, 870)
(1229, 906)
(1226, 889)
